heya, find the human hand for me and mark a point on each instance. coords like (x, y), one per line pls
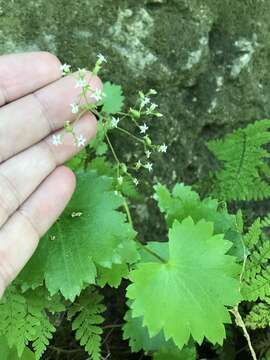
(34, 187)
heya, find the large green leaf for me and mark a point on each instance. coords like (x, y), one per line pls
(187, 294)
(90, 232)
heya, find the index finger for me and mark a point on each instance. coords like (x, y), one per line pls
(21, 74)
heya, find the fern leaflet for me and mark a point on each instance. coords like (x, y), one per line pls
(86, 321)
(245, 172)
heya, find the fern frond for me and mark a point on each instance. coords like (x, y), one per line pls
(253, 235)
(256, 277)
(266, 221)
(44, 331)
(86, 321)
(24, 320)
(256, 282)
(245, 172)
(259, 316)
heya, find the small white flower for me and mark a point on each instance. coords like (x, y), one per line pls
(138, 164)
(101, 58)
(149, 166)
(148, 154)
(115, 122)
(152, 92)
(97, 95)
(65, 68)
(163, 148)
(136, 182)
(145, 101)
(57, 139)
(143, 128)
(80, 141)
(81, 83)
(74, 108)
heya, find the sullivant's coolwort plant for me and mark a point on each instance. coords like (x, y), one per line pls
(181, 290)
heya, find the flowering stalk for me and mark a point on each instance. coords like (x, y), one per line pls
(142, 109)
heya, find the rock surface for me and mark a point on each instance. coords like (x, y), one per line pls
(208, 59)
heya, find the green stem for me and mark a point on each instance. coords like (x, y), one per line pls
(131, 135)
(64, 351)
(152, 253)
(112, 149)
(114, 153)
(128, 212)
(138, 242)
(239, 321)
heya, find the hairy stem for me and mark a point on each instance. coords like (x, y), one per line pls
(239, 322)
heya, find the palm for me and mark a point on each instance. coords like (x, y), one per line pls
(34, 187)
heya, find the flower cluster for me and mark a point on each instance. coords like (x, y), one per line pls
(143, 109)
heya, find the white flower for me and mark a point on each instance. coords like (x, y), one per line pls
(57, 139)
(65, 68)
(148, 154)
(149, 166)
(97, 95)
(101, 58)
(81, 83)
(136, 182)
(152, 92)
(115, 122)
(80, 141)
(138, 164)
(143, 128)
(74, 108)
(163, 148)
(145, 101)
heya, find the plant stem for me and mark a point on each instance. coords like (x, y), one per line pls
(128, 212)
(138, 242)
(64, 351)
(239, 321)
(112, 149)
(113, 326)
(153, 253)
(131, 135)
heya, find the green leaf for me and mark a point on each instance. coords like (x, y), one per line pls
(187, 353)
(195, 284)
(24, 320)
(102, 148)
(113, 276)
(114, 99)
(86, 321)
(184, 202)
(139, 338)
(77, 161)
(90, 232)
